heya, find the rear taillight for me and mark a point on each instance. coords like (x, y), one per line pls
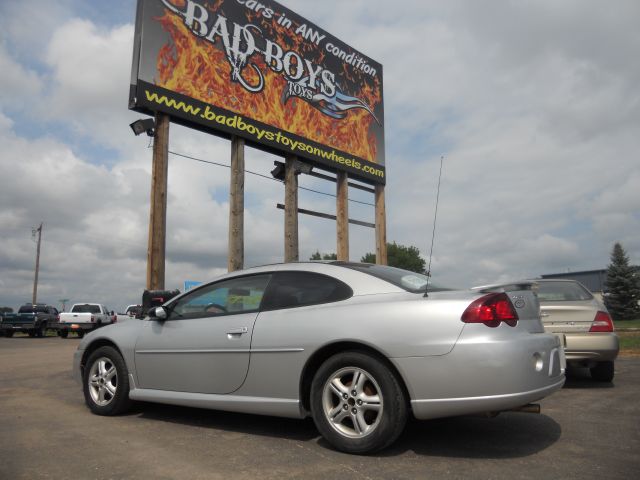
(58, 318)
(93, 319)
(602, 323)
(491, 310)
(115, 319)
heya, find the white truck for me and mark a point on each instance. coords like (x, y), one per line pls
(84, 317)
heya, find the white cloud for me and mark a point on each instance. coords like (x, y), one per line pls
(534, 105)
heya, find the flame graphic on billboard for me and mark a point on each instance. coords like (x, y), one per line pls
(199, 69)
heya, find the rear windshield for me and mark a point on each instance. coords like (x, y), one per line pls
(562, 292)
(32, 309)
(405, 279)
(85, 309)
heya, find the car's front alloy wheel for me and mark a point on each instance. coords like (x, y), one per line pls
(357, 403)
(106, 382)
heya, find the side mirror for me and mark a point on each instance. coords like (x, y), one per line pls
(158, 313)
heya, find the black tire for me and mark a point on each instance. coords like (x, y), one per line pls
(63, 333)
(603, 371)
(8, 334)
(345, 432)
(114, 390)
(80, 333)
(31, 333)
(42, 331)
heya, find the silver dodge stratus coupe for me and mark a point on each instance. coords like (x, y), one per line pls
(358, 347)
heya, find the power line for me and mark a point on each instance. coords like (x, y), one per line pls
(262, 175)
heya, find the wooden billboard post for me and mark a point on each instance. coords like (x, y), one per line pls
(381, 226)
(236, 206)
(158, 208)
(342, 216)
(291, 252)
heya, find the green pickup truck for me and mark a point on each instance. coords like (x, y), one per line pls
(32, 319)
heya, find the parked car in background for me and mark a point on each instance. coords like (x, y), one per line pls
(33, 319)
(83, 318)
(358, 347)
(569, 309)
(132, 311)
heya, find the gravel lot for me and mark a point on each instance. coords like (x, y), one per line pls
(587, 430)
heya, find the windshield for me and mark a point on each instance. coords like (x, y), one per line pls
(562, 292)
(405, 279)
(85, 309)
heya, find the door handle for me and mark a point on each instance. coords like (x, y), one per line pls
(544, 314)
(238, 331)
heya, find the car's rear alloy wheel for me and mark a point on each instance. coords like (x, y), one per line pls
(603, 371)
(106, 382)
(357, 403)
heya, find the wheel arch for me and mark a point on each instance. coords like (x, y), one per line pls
(321, 355)
(93, 346)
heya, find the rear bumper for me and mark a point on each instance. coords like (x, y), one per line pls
(484, 375)
(441, 407)
(73, 327)
(21, 327)
(591, 347)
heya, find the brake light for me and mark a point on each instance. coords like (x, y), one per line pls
(602, 323)
(115, 318)
(491, 310)
(93, 319)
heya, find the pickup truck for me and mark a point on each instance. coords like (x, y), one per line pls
(32, 319)
(84, 317)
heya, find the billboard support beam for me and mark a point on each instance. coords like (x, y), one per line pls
(342, 216)
(158, 207)
(381, 226)
(236, 206)
(291, 253)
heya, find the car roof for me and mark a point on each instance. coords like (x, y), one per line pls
(361, 283)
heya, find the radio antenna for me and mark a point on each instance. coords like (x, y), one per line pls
(433, 234)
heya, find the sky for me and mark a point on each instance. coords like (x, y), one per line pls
(534, 106)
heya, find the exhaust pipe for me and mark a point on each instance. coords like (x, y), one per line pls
(529, 408)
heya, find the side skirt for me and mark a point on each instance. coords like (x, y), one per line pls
(277, 407)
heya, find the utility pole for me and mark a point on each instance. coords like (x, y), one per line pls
(158, 207)
(35, 281)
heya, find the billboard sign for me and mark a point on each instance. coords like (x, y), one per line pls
(260, 71)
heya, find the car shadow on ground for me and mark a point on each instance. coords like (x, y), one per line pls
(509, 435)
(234, 422)
(581, 378)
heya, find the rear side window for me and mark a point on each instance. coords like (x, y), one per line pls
(562, 292)
(296, 289)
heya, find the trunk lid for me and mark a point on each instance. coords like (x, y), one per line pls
(568, 317)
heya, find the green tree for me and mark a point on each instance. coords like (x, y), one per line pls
(324, 256)
(400, 256)
(6, 310)
(623, 286)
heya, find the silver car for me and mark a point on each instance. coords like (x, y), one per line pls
(569, 309)
(358, 347)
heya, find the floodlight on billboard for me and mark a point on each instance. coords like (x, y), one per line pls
(260, 71)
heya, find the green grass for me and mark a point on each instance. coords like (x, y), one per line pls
(629, 342)
(627, 324)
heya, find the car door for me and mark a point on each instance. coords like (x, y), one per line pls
(204, 344)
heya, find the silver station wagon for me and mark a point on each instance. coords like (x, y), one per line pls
(358, 347)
